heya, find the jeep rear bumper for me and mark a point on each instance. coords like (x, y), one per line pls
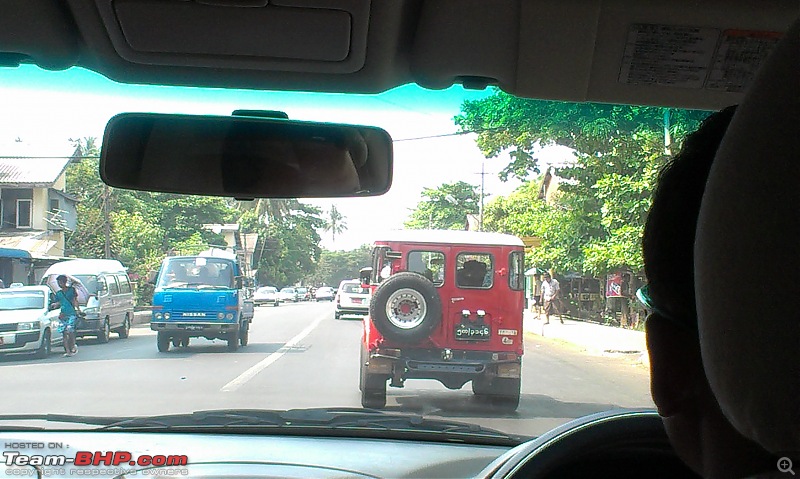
(453, 368)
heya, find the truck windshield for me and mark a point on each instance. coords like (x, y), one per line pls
(196, 273)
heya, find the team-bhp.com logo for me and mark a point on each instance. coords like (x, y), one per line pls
(96, 458)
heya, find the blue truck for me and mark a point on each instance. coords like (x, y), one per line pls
(200, 296)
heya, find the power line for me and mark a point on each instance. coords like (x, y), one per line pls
(458, 133)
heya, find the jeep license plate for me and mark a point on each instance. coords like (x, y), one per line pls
(194, 327)
(469, 332)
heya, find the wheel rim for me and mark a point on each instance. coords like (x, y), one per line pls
(406, 308)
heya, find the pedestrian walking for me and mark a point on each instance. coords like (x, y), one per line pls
(551, 296)
(67, 301)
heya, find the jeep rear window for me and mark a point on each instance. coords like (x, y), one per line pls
(429, 264)
(516, 265)
(354, 288)
(474, 270)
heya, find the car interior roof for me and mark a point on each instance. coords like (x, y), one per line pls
(549, 49)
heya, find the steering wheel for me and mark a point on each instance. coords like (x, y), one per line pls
(621, 444)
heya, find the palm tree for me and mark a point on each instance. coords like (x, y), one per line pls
(269, 210)
(335, 223)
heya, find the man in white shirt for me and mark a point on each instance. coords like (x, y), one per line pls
(551, 295)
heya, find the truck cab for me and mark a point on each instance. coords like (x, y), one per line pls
(200, 296)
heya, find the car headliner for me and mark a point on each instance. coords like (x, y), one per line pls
(546, 49)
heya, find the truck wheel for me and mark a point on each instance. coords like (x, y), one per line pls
(233, 341)
(406, 308)
(105, 334)
(185, 342)
(372, 386)
(163, 341)
(244, 334)
(373, 391)
(44, 349)
(500, 393)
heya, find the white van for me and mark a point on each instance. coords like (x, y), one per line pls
(110, 307)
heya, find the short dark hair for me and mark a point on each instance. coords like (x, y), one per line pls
(669, 232)
(61, 277)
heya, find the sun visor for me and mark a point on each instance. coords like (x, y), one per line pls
(316, 36)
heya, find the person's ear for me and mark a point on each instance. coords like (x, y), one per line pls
(676, 368)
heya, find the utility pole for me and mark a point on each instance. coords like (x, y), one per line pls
(107, 221)
(480, 211)
(667, 137)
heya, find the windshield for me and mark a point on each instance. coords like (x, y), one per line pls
(26, 300)
(196, 273)
(90, 281)
(568, 184)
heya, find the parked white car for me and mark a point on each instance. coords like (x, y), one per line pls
(352, 299)
(266, 295)
(26, 323)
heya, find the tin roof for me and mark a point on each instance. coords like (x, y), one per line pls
(22, 164)
(39, 172)
(452, 237)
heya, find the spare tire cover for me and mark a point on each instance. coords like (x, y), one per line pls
(406, 308)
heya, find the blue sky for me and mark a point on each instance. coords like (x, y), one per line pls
(46, 108)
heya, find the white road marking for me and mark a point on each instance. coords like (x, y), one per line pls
(241, 379)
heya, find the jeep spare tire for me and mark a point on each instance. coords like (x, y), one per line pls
(406, 308)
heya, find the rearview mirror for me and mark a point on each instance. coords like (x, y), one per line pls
(245, 157)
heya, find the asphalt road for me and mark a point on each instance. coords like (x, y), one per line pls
(299, 356)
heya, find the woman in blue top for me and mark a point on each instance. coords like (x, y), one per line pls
(67, 300)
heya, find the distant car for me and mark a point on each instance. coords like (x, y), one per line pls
(303, 294)
(289, 294)
(324, 293)
(266, 295)
(26, 323)
(352, 299)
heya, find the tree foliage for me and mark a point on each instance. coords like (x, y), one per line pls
(336, 266)
(594, 223)
(445, 207)
(288, 249)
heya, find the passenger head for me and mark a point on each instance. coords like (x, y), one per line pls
(749, 328)
(698, 430)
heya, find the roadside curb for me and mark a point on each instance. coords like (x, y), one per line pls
(141, 318)
(594, 339)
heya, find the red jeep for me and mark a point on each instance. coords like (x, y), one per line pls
(446, 305)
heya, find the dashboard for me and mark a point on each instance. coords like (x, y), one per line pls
(622, 444)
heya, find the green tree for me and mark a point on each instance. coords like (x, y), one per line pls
(445, 207)
(335, 223)
(288, 249)
(595, 223)
(336, 266)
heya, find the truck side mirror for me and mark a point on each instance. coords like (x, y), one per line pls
(365, 275)
(238, 282)
(151, 277)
